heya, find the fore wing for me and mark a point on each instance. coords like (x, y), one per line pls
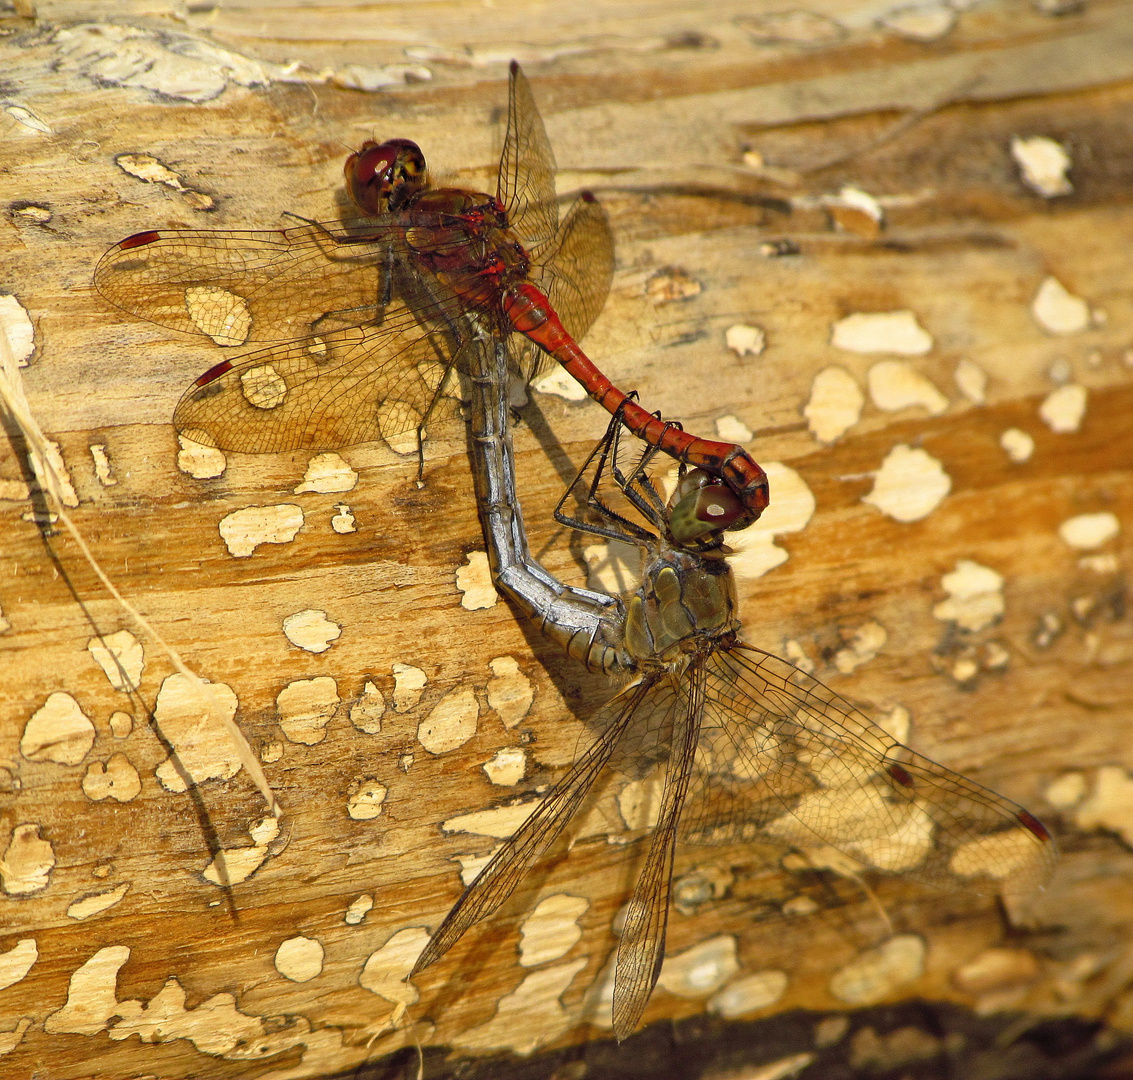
(241, 286)
(526, 182)
(274, 285)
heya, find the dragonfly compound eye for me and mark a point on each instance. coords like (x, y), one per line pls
(711, 507)
(383, 176)
(693, 480)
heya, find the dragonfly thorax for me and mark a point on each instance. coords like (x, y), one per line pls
(467, 245)
(686, 602)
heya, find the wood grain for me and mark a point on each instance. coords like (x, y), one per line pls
(654, 107)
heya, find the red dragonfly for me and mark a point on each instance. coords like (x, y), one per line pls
(368, 318)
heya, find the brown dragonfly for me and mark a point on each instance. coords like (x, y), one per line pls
(369, 318)
(751, 747)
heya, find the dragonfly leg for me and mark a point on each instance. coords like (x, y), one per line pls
(438, 393)
(601, 458)
(635, 486)
(386, 295)
(334, 238)
(638, 487)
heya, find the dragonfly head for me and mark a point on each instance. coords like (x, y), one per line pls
(701, 507)
(384, 176)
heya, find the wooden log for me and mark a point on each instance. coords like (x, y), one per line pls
(405, 718)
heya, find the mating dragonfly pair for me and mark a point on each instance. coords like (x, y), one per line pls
(370, 321)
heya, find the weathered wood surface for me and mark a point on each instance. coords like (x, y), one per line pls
(144, 967)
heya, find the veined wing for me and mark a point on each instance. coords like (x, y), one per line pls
(641, 950)
(496, 882)
(348, 386)
(782, 758)
(273, 285)
(579, 268)
(526, 182)
(576, 273)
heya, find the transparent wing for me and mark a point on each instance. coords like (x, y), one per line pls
(580, 266)
(526, 182)
(498, 879)
(783, 758)
(353, 385)
(575, 275)
(255, 286)
(641, 950)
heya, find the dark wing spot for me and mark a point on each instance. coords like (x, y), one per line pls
(901, 775)
(213, 373)
(139, 240)
(1032, 823)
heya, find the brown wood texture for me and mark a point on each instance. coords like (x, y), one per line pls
(119, 957)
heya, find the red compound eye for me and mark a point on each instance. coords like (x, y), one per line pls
(383, 176)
